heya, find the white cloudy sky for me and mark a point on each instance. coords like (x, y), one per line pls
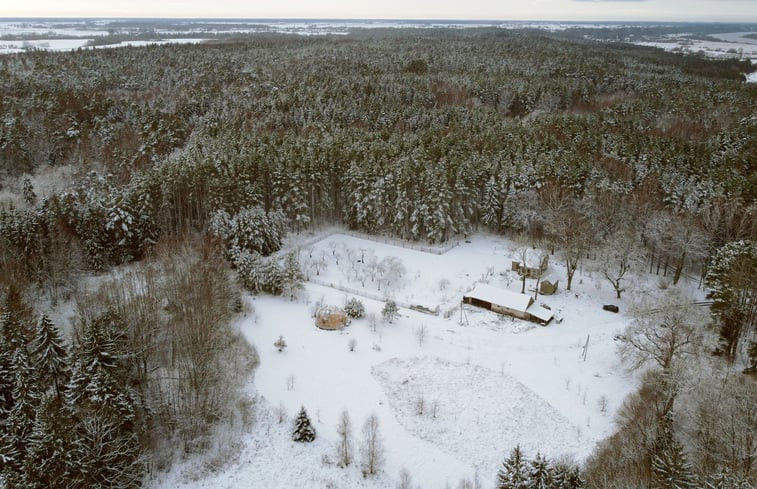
(664, 10)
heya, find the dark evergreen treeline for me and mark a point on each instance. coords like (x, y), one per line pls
(424, 138)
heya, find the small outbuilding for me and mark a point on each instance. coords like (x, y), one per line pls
(331, 318)
(508, 303)
(548, 284)
(534, 267)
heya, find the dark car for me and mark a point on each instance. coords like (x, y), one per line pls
(610, 307)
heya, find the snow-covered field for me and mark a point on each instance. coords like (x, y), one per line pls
(487, 382)
(8, 47)
(730, 45)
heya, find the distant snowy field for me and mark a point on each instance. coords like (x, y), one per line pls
(488, 383)
(730, 45)
(8, 47)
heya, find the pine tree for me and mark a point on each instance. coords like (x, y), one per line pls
(48, 445)
(491, 207)
(30, 198)
(540, 474)
(20, 419)
(6, 376)
(104, 445)
(731, 278)
(292, 276)
(14, 321)
(49, 356)
(670, 466)
(303, 429)
(514, 473)
(566, 476)
(390, 311)
(354, 308)
(99, 376)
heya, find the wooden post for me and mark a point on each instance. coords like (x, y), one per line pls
(586, 347)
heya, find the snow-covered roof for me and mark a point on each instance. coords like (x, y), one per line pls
(540, 312)
(533, 257)
(331, 311)
(501, 297)
(551, 278)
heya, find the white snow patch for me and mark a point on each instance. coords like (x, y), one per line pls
(474, 413)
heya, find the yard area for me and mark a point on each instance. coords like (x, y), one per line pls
(486, 382)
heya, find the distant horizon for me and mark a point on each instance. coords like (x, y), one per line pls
(378, 19)
(695, 11)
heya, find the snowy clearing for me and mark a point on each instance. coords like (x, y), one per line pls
(425, 392)
(495, 381)
(731, 45)
(10, 47)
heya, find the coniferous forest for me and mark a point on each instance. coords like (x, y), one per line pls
(185, 166)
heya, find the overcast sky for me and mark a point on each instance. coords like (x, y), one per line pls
(630, 10)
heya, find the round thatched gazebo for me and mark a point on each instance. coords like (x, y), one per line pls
(331, 318)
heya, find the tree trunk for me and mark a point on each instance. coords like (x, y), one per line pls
(679, 268)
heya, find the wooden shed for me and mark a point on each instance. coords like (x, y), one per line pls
(548, 284)
(503, 301)
(331, 318)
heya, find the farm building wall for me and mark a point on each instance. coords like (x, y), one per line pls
(477, 302)
(510, 312)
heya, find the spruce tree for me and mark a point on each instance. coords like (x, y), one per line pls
(98, 377)
(670, 467)
(104, 444)
(514, 473)
(303, 429)
(565, 476)
(49, 356)
(540, 474)
(292, 276)
(6, 376)
(48, 445)
(390, 311)
(20, 419)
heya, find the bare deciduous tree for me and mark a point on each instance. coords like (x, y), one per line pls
(344, 432)
(619, 255)
(405, 481)
(662, 331)
(372, 449)
(420, 334)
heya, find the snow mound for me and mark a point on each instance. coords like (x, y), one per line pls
(475, 413)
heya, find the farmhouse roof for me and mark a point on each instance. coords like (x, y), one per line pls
(540, 312)
(533, 257)
(551, 278)
(501, 297)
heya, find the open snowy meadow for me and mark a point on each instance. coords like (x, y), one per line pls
(454, 388)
